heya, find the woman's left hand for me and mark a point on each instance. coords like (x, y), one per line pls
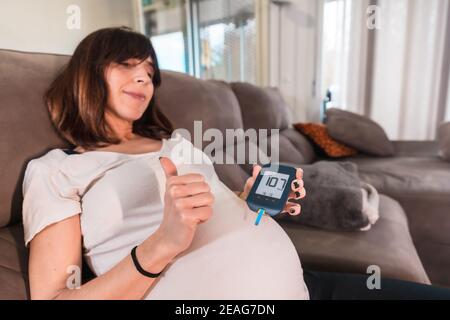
(297, 190)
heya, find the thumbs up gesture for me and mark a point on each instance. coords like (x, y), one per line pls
(187, 203)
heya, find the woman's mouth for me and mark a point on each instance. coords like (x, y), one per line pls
(135, 95)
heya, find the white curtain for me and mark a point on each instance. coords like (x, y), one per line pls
(408, 65)
(344, 53)
(392, 74)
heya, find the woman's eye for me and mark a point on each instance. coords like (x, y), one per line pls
(150, 75)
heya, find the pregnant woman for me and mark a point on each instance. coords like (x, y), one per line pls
(149, 222)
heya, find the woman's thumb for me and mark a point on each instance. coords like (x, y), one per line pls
(168, 166)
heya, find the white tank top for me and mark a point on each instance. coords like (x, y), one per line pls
(120, 198)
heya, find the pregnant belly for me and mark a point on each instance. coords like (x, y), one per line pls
(231, 258)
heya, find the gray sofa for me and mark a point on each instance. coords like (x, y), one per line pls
(27, 133)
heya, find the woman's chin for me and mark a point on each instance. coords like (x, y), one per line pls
(134, 114)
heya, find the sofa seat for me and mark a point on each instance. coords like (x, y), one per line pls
(413, 175)
(388, 245)
(422, 187)
(13, 263)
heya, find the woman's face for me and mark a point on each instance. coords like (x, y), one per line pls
(130, 88)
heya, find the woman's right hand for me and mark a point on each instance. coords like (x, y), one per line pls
(187, 203)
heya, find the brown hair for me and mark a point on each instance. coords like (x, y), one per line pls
(77, 98)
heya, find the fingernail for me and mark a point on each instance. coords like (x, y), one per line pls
(297, 194)
(296, 185)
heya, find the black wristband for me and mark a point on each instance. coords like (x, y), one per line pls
(139, 267)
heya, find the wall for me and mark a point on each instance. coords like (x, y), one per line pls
(40, 25)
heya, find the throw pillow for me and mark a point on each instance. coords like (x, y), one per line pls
(317, 132)
(335, 199)
(358, 132)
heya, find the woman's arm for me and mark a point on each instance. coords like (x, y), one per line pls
(58, 247)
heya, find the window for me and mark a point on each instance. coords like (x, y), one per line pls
(166, 24)
(227, 40)
(210, 39)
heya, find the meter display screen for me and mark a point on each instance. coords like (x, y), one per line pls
(272, 184)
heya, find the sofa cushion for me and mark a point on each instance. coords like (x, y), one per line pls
(408, 175)
(301, 143)
(359, 132)
(184, 99)
(415, 148)
(287, 152)
(388, 245)
(262, 108)
(27, 132)
(13, 264)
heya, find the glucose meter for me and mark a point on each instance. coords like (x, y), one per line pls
(271, 189)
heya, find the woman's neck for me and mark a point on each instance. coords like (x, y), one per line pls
(134, 145)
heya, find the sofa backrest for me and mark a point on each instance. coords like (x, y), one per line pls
(185, 99)
(265, 108)
(26, 129)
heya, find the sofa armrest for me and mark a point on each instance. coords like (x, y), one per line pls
(415, 148)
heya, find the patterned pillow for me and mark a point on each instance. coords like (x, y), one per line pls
(317, 132)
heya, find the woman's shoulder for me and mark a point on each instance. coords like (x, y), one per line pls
(44, 166)
(46, 162)
(71, 170)
(48, 195)
(50, 157)
(55, 159)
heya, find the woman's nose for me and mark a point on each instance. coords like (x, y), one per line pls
(142, 79)
(141, 75)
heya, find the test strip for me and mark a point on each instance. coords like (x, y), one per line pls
(260, 214)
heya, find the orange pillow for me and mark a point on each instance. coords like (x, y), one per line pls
(317, 132)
